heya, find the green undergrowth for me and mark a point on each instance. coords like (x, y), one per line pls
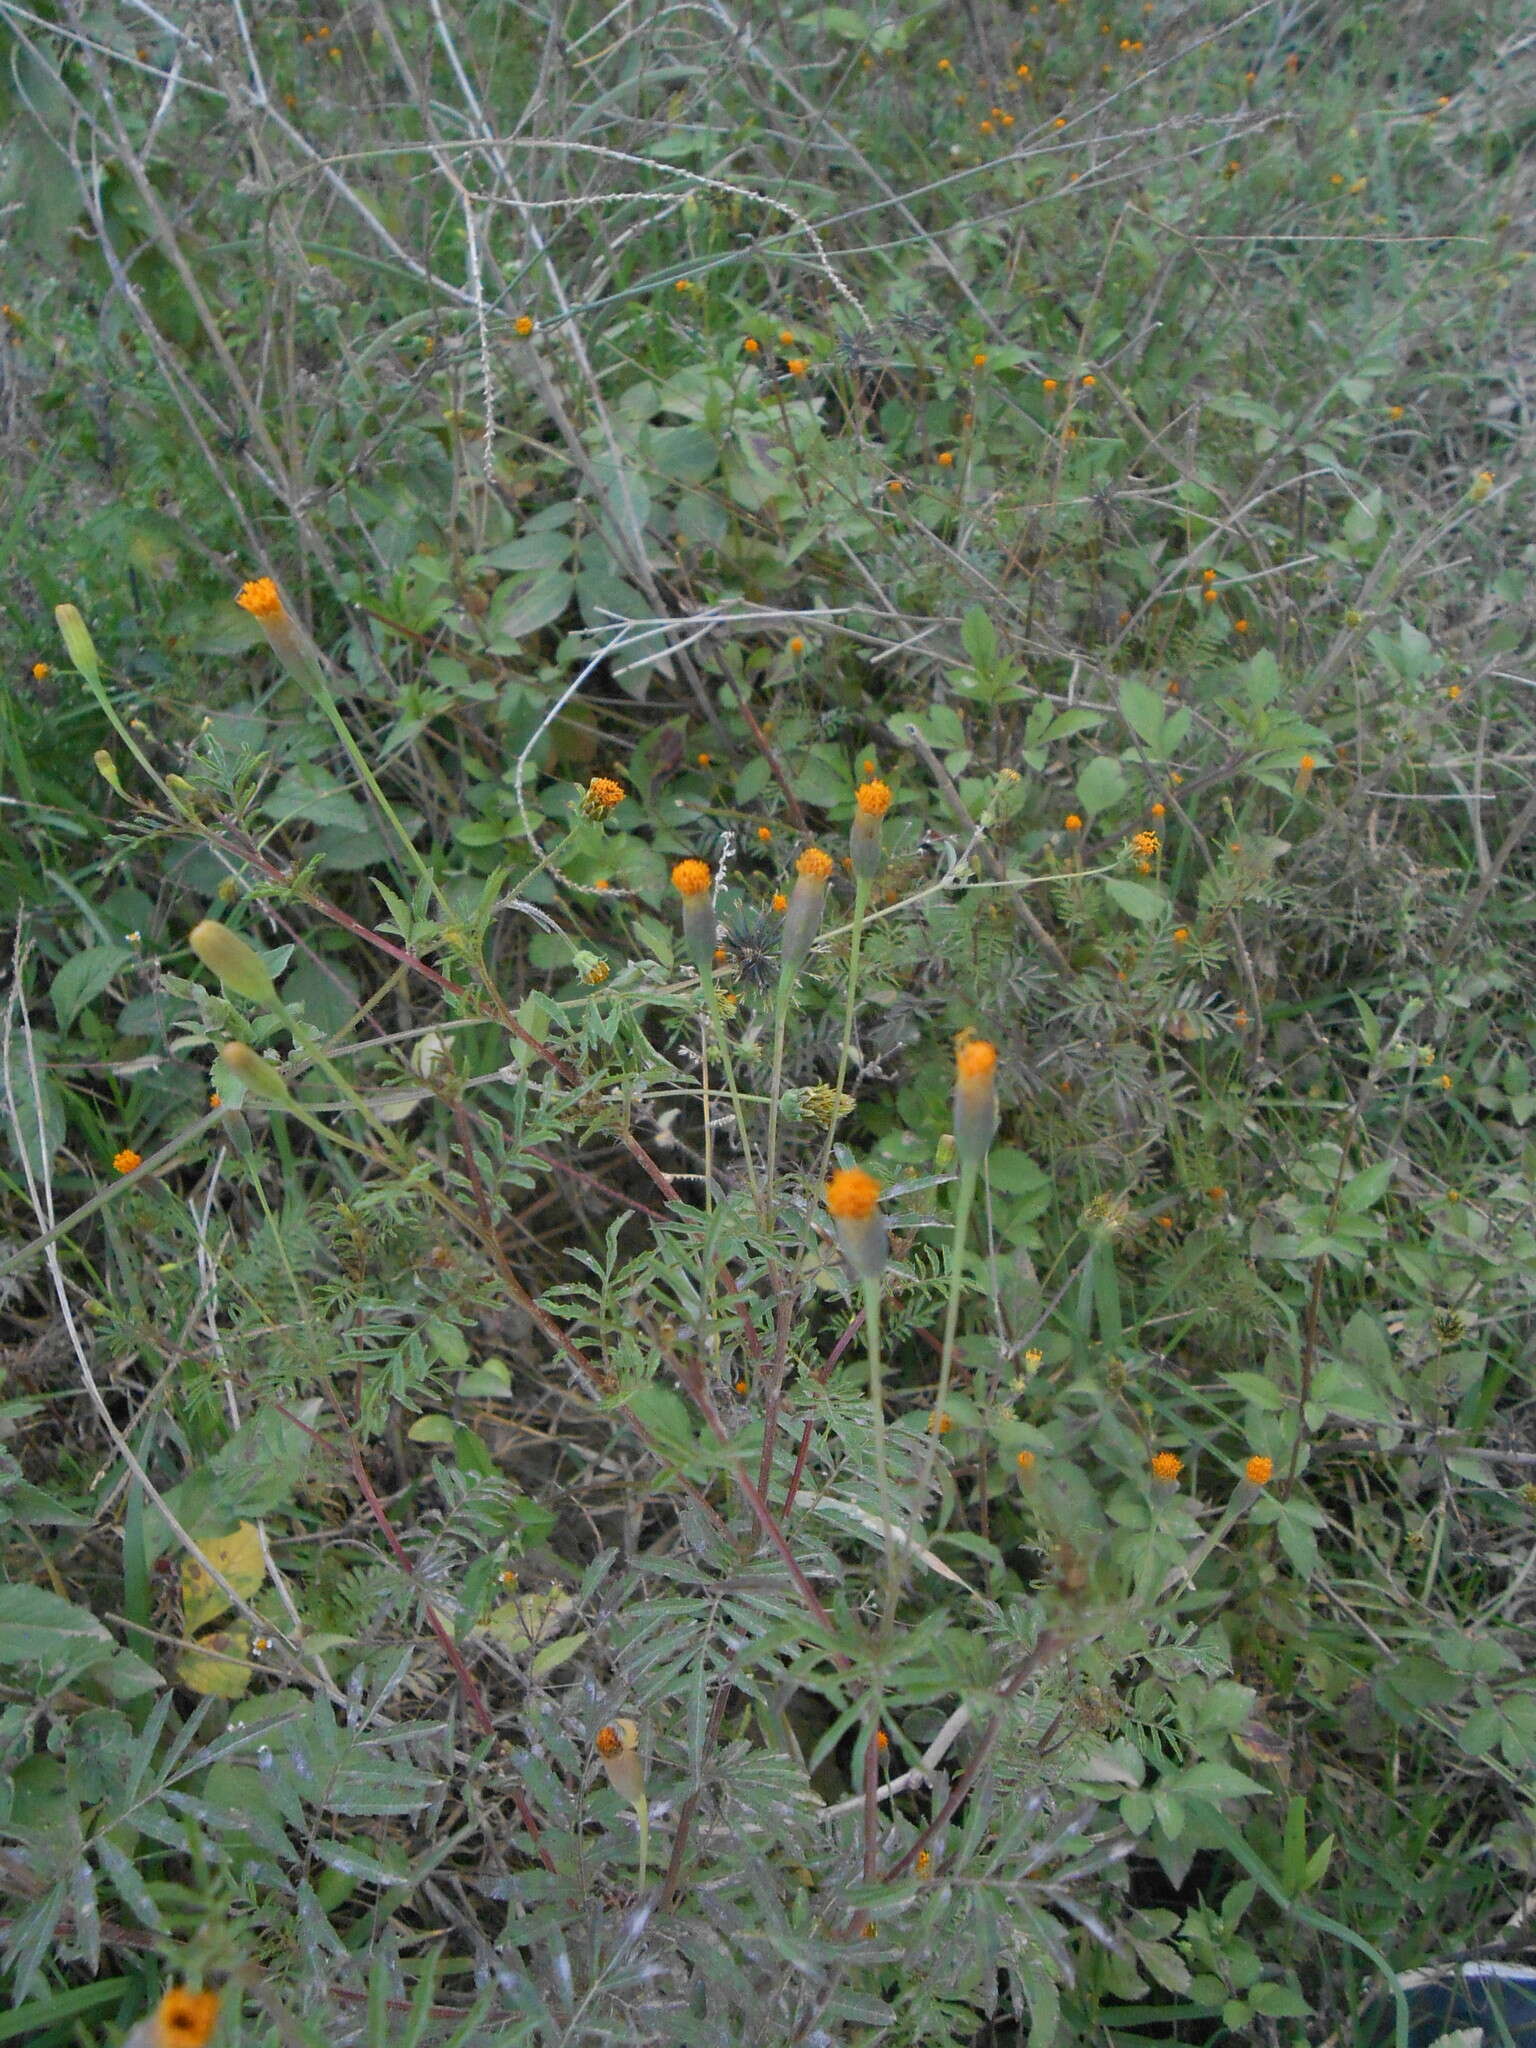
(478, 1564)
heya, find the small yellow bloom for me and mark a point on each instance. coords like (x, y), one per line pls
(1025, 1461)
(895, 486)
(703, 760)
(1048, 384)
(602, 795)
(523, 325)
(1181, 935)
(683, 284)
(1454, 692)
(797, 365)
(1146, 845)
(1089, 382)
(41, 671)
(786, 337)
(1072, 822)
(946, 458)
(1395, 412)
(1034, 1358)
(780, 901)
(597, 974)
(945, 65)
(1446, 1081)
(873, 799)
(979, 360)
(797, 645)
(1239, 625)
(261, 600)
(750, 347)
(127, 1161)
(922, 1863)
(1259, 1471)
(852, 1195)
(1023, 71)
(184, 2019)
(1167, 1466)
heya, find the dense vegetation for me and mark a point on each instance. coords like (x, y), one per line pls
(486, 1556)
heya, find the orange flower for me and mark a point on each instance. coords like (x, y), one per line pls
(691, 878)
(41, 671)
(610, 1743)
(1145, 845)
(602, 796)
(798, 365)
(1259, 1471)
(979, 360)
(1239, 625)
(1181, 935)
(786, 337)
(703, 760)
(127, 1161)
(1089, 382)
(853, 1197)
(1167, 1466)
(184, 2019)
(1025, 1461)
(523, 325)
(261, 600)
(1073, 822)
(814, 865)
(946, 457)
(780, 901)
(750, 347)
(975, 1098)
(873, 799)
(852, 1194)
(797, 645)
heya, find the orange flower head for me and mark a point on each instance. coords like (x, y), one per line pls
(751, 347)
(786, 337)
(1239, 625)
(1025, 1461)
(979, 360)
(610, 1742)
(692, 878)
(882, 1740)
(1073, 822)
(185, 2019)
(798, 365)
(797, 645)
(1089, 382)
(1146, 845)
(814, 865)
(975, 1063)
(260, 599)
(603, 795)
(1181, 935)
(1259, 1471)
(924, 1862)
(1048, 384)
(41, 671)
(873, 799)
(1167, 1466)
(780, 901)
(523, 325)
(1159, 810)
(852, 1194)
(127, 1161)
(946, 458)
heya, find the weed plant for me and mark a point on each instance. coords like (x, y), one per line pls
(766, 1208)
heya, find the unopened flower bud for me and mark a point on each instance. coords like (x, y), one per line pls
(255, 1075)
(78, 642)
(106, 768)
(238, 965)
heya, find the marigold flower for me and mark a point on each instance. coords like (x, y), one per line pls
(1259, 1471)
(946, 458)
(798, 365)
(945, 65)
(797, 645)
(1072, 822)
(41, 671)
(815, 865)
(127, 1161)
(1181, 935)
(1023, 71)
(1395, 412)
(703, 760)
(1146, 845)
(1025, 1461)
(786, 337)
(1239, 625)
(1166, 1466)
(184, 2019)
(780, 901)
(523, 325)
(610, 1742)
(975, 1099)
(602, 796)
(895, 486)
(873, 799)
(691, 878)
(882, 1740)
(1089, 382)
(979, 360)
(813, 870)
(853, 1197)
(260, 599)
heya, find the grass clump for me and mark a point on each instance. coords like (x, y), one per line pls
(766, 1197)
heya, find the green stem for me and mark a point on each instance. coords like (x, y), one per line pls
(877, 1417)
(775, 1083)
(861, 892)
(717, 1018)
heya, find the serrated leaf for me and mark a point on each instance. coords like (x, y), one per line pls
(1100, 785)
(554, 1654)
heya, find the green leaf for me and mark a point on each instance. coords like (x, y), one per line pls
(1145, 713)
(523, 604)
(37, 1627)
(1146, 905)
(978, 636)
(1100, 785)
(83, 977)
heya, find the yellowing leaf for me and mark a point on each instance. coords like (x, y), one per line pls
(532, 1618)
(204, 1670)
(238, 1560)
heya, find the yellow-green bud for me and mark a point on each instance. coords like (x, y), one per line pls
(106, 768)
(255, 1075)
(77, 642)
(238, 965)
(183, 795)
